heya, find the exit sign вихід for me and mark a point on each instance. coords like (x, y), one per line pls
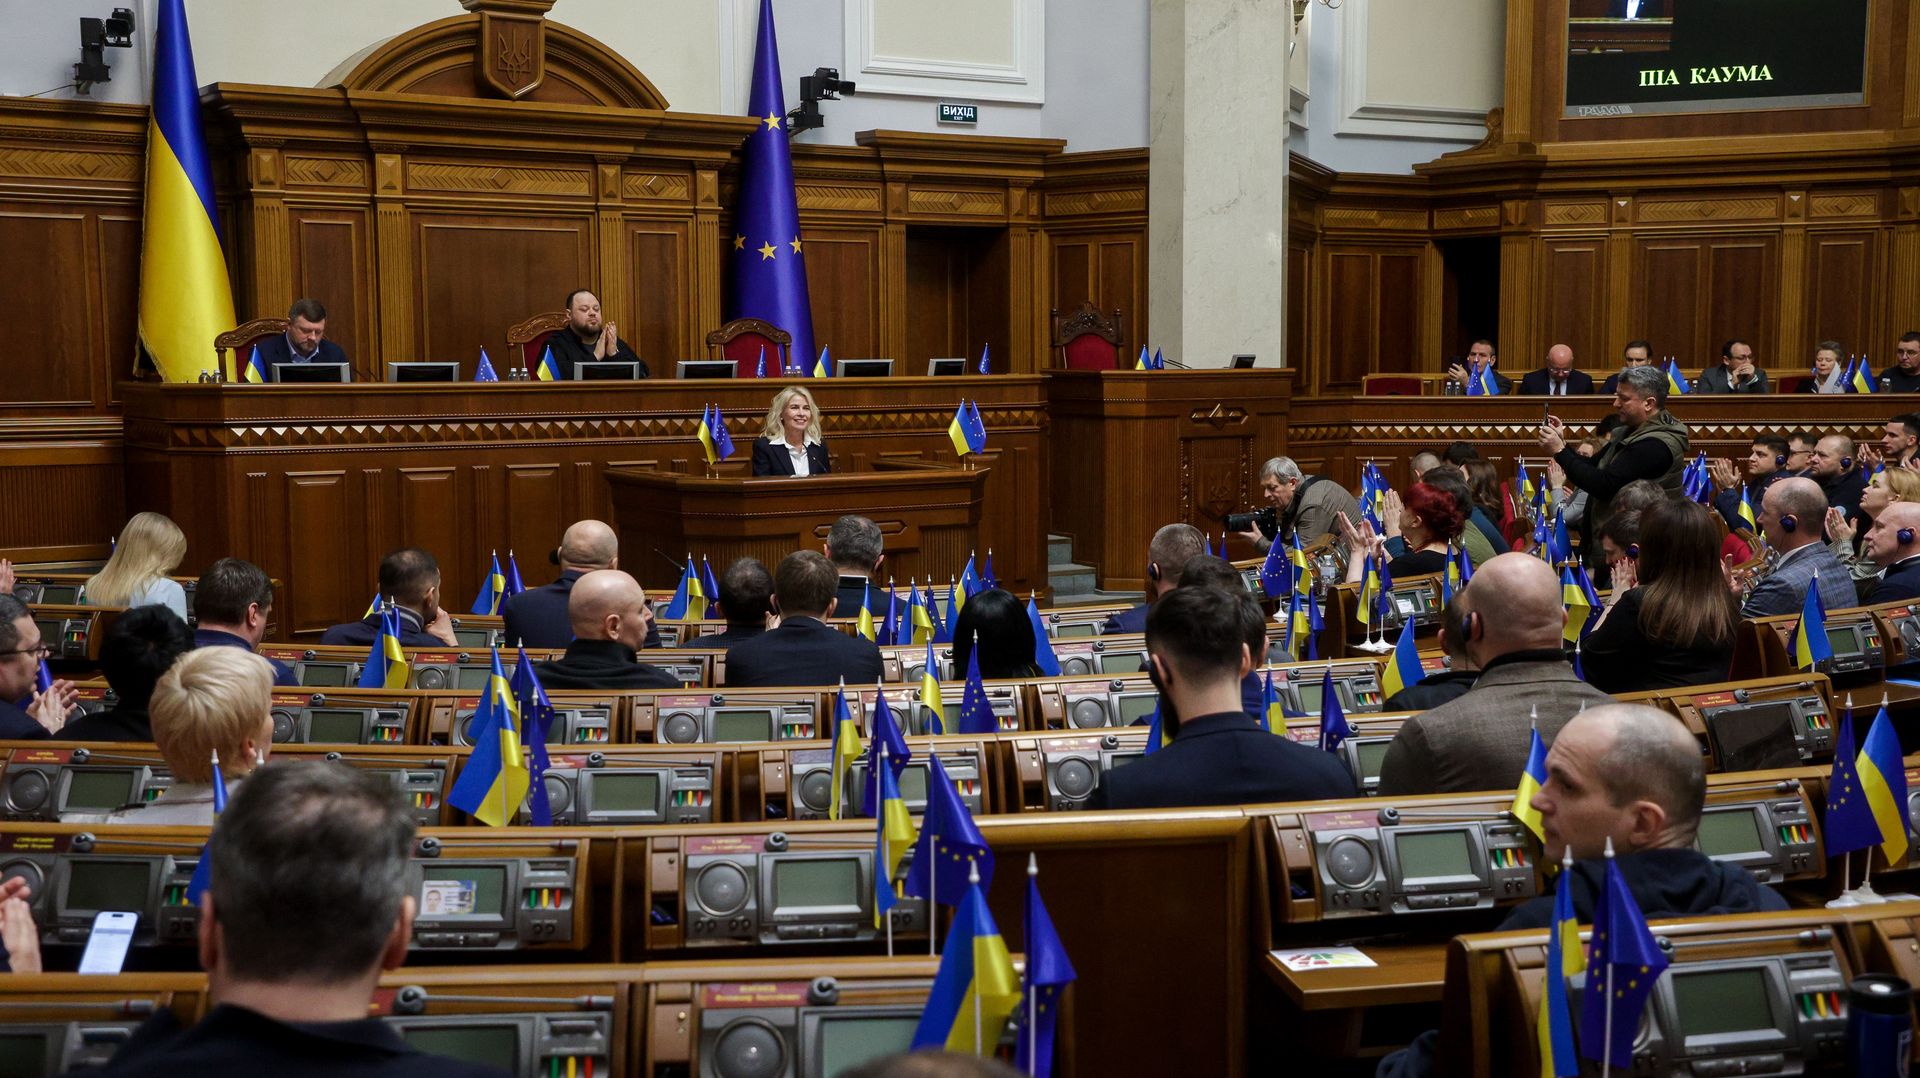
(959, 114)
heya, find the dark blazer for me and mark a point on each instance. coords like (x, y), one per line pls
(220, 638)
(277, 350)
(17, 725)
(537, 617)
(361, 634)
(1127, 621)
(1620, 657)
(602, 664)
(1897, 381)
(1432, 691)
(1843, 492)
(1717, 379)
(1224, 760)
(1579, 383)
(853, 591)
(732, 635)
(802, 651)
(771, 459)
(232, 1039)
(1900, 581)
(568, 350)
(117, 724)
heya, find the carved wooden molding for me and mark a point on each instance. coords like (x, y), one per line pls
(1844, 204)
(1564, 214)
(853, 197)
(338, 172)
(1467, 217)
(1709, 209)
(1219, 417)
(453, 54)
(720, 337)
(70, 164)
(972, 203)
(1084, 320)
(1076, 203)
(657, 187)
(502, 179)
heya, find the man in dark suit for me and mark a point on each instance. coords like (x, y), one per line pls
(537, 617)
(1173, 546)
(140, 645)
(1557, 378)
(1636, 354)
(409, 579)
(1198, 656)
(305, 340)
(232, 605)
(856, 548)
(21, 650)
(1893, 543)
(746, 598)
(803, 649)
(610, 619)
(1836, 467)
(585, 339)
(1735, 373)
(1480, 356)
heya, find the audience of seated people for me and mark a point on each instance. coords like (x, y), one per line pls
(745, 603)
(410, 580)
(1893, 546)
(1669, 620)
(1428, 520)
(211, 704)
(26, 713)
(1172, 547)
(610, 618)
(803, 649)
(140, 646)
(1888, 487)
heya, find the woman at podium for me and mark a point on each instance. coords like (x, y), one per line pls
(791, 443)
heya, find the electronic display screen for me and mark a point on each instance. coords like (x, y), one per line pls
(1122, 759)
(324, 675)
(1428, 854)
(24, 1055)
(1754, 737)
(1722, 1001)
(1123, 662)
(1372, 754)
(52, 633)
(471, 638)
(848, 1041)
(1845, 640)
(101, 791)
(626, 791)
(1136, 707)
(472, 678)
(913, 782)
(62, 594)
(335, 725)
(492, 1046)
(1075, 631)
(1729, 832)
(742, 724)
(1628, 57)
(463, 890)
(107, 885)
(815, 882)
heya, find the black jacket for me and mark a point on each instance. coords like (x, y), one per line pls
(1843, 492)
(1666, 883)
(853, 591)
(1432, 691)
(277, 350)
(220, 638)
(234, 1040)
(802, 651)
(602, 664)
(1224, 759)
(732, 635)
(1579, 383)
(1897, 381)
(568, 350)
(118, 724)
(1127, 621)
(1900, 581)
(537, 617)
(361, 634)
(1620, 657)
(17, 725)
(770, 459)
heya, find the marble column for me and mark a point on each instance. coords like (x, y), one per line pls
(1217, 188)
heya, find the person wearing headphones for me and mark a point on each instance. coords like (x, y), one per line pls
(1766, 464)
(1889, 485)
(1834, 467)
(1893, 544)
(1790, 517)
(1173, 546)
(1669, 620)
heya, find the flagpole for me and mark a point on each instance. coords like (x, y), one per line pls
(1033, 1009)
(1606, 1042)
(933, 887)
(973, 878)
(886, 854)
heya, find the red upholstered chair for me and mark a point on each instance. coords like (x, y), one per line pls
(1792, 383)
(237, 343)
(744, 340)
(526, 340)
(1392, 385)
(1087, 340)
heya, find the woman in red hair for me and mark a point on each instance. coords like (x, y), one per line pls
(1428, 519)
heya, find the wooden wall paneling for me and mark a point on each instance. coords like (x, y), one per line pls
(661, 308)
(318, 555)
(1351, 303)
(479, 274)
(1072, 272)
(66, 487)
(1519, 280)
(45, 262)
(1743, 294)
(1574, 302)
(844, 282)
(1672, 300)
(1399, 313)
(1300, 303)
(330, 263)
(531, 507)
(432, 512)
(1123, 286)
(1840, 293)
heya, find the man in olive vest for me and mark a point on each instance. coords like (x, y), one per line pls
(1650, 444)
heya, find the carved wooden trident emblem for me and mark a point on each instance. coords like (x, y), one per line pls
(512, 53)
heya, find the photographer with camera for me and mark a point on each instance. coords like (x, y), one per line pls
(1307, 506)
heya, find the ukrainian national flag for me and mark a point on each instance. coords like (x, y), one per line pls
(704, 432)
(930, 695)
(256, 372)
(1273, 713)
(1450, 579)
(1676, 382)
(1557, 1056)
(1746, 510)
(863, 621)
(495, 780)
(689, 599)
(372, 607)
(185, 297)
(1403, 668)
(493, 590)
(823, 367)
(1883, 777)
(957, 431)
(1532, 777)
(386, 666)
(1579, 607)
(1369, 590)
(1860, 378)
(1298, 625)
(548, 369)
(894, 836)
(1810, 644)
(917, 615)
(976, 975)
(1302, 572)
(846, 746)
(1143, 363)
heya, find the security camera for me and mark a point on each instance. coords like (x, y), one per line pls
(825, 84)
(96, 37)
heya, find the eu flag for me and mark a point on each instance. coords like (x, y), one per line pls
(976, 714)
(1623, 963)
(1333, 719)
(536, 716)
(1850, 824)
(1048, 971)
(1043, 656)
(949, 844)
(769, 273)
(887, 735)
(484, 372)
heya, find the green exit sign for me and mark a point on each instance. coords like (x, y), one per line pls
(959, 114)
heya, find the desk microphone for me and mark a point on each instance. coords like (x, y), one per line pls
(677, 566)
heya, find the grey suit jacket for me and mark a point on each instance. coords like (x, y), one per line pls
(1479, 741)
(1784, 591)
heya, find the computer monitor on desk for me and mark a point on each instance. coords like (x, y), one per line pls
(946, 368)
(705, 368)
(312, 372)
(423, 372)
(865, 368)
(607, 370)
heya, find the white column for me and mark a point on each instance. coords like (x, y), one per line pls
(1217, 188)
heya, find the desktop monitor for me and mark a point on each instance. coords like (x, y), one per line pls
(607, 370)
(705, 368)
(312, 372)
(1243, 361)
(946, 368)
(423, 372)
(864, 368)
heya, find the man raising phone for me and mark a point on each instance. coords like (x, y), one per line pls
(1650, 444)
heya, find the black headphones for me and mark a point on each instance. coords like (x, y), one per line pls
(1845, 463)
(1633, 550)
(1787, 523)
(1153, 571)
(1472, 623)
(1779, 460)
(1905, 535)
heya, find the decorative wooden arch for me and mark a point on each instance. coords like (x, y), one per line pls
(503, 49)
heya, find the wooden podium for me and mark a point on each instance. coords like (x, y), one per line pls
(929, 515)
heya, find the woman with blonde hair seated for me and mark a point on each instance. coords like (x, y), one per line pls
(211, 700)
(1889, 485)
(790, 444)
(149, 548)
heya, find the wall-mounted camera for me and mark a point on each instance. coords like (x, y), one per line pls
(96, 37)
(825, 84)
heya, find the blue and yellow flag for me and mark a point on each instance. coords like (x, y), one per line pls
(493, 590)
(1273, 713)
(1860, 377)
(976, 713)
(1302, 571)
(1403, 666)
(950, 848)
(957, 431)
(1334, 730)
(1043, 657)
(823, 367)
(1143, 363)
(1623, 963)
(1849, 823)
(1532, 777)
(256, 372)
(930, 694)
(970, 583)
(1369, 591)
(1810, 645)
(1745, 511)
(704, 432)
(769, 270)
(1677, 382)
(548, 369)
(1579, 607)
(1450, 579)
(494, 782)
(1158, 736)
(372, 607)
(1564, 960)
(863, 621)
(1048, 971)
(203, 869)
(185, 298)
(689, 600)
(846, 746)
(894, 836)
(1883, 778)
(976, 987)
(918, 616)
(386, 666)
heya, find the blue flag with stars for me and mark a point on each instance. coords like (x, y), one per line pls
(1850, 824)
(769, 276)
(1623, 963)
